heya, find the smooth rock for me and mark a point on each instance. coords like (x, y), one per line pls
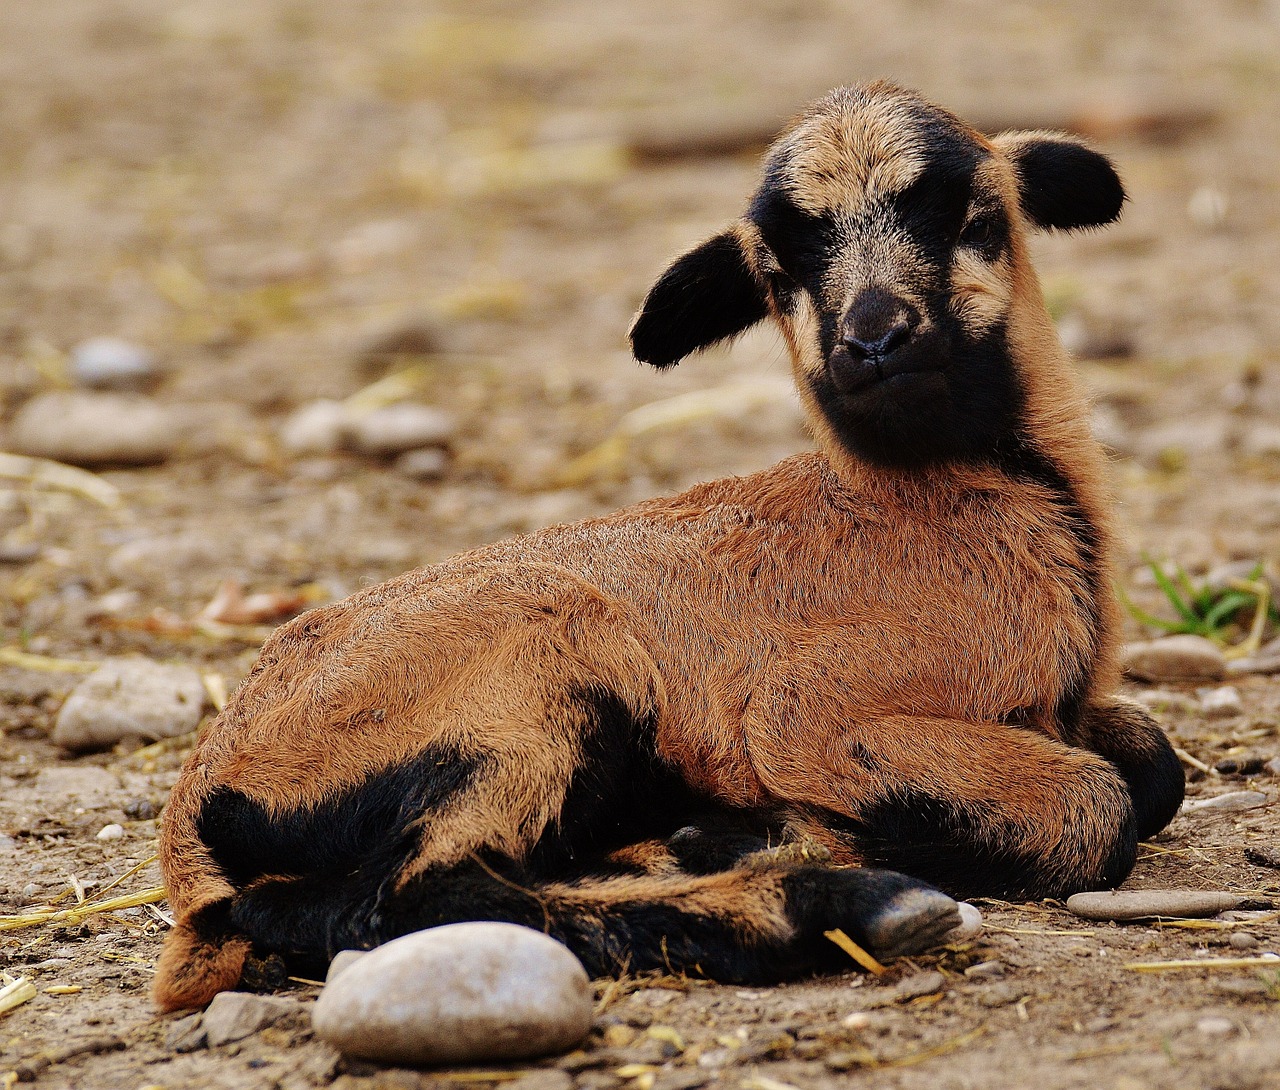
(111, 832)
(187, 1034)
(395, 429)
(1222, 702)
(1232, 800)
(110, 363)
(1265, 661)
(91, 429)
(130, 698)
(1175, 658)
(920, 984)
(1242, 940)
(1215, 1026)
(985, 970)
(428, 464)
(342, 961)
(458, 993)
(233, 1016)
(315, 428)
(1141, 904)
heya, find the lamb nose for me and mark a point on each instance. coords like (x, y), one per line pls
(867, 347)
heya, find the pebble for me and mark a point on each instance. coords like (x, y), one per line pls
(456, 994)
(1221, 703)
(140, 809)
(1232, 800)
(318, 427)
(111, 832)
(428, 464)
(1215, 1026)
(1265, 661)
(233, 1016)
(1140, 904)
(920, 984)
(985, 970)
(1242, 940)
(93, 429)
(109, 363)
(130, 698)
(1175, 658)
(187, 1034)
(395, 429)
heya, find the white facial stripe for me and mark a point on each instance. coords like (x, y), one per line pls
(850, 161)
(980, 290)
(800, 330)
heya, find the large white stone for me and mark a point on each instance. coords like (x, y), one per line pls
(92, 429)
(481, 992)
(1175, 658)
(130, 698)
(394, 429)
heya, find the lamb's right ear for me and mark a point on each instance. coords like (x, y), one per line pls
(707, 295)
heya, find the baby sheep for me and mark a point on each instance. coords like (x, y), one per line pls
(696, 734)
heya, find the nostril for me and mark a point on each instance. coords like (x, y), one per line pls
(866, 347)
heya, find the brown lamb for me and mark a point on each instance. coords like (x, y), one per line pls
(695, 734)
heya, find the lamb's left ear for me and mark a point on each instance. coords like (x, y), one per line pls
(1063, 184)
(706, 296)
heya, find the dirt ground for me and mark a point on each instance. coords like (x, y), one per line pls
(287, 201)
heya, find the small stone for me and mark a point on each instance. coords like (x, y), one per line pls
(316, 428)
(187, 1034)
(970, 925)
(1265, 661)
(130, 698)
(1182, 904)
(1000, 995)
(985, 970)
(1166, 700)
(428, 464)
(111, 832)
(1215, 1026)
(1207, 207)
(1221, 702)
(1263, 856)
(140, 809)
(233, 1016)
(109, 363)
(342, 961)
(456, 994)
(395, 429)
(1175, 658)
(1232, 800)
(1242, 940)
(920, 984)
(550, 1079)
(92, 429)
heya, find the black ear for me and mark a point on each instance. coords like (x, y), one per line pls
(707, 295)
(1063, 184)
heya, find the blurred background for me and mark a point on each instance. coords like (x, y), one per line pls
(364, 270)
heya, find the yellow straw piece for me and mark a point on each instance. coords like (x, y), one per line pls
(855, 951)
(15, 993)
(80, 912)
(15, 656)
(1203, 963)
(63, 989)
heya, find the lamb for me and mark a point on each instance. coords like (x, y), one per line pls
(697, 733)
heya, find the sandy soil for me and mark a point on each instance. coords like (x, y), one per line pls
(261, 190)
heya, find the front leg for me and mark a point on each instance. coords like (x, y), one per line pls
(1125, 734)
(977, 809)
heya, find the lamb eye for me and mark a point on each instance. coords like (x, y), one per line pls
(982, 233)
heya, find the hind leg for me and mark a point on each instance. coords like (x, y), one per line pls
(1125, 734)
(978, 809)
